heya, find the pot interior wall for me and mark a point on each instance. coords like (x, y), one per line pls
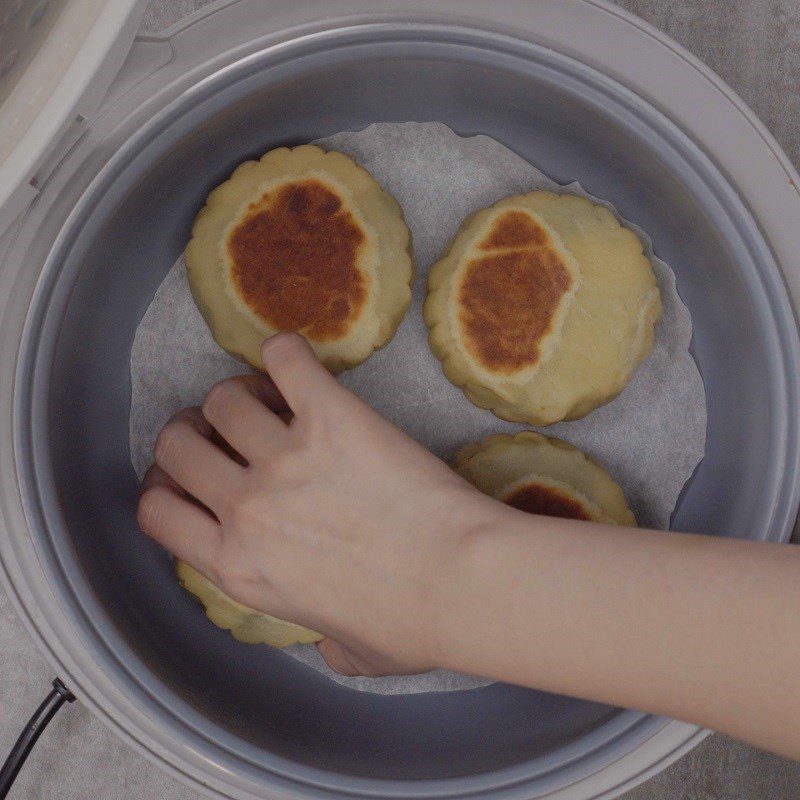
(253, 699)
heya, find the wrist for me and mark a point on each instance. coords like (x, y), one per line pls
(474, 533)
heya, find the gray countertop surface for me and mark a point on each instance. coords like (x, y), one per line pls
(755, 46)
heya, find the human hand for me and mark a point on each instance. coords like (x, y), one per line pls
(335, 520)
(339, 522)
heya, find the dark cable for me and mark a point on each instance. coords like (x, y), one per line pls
(33, 730)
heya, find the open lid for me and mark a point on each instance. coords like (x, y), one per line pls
(57, 59)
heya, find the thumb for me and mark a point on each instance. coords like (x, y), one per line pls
(338, 658)
(344, 661)
(348, 662)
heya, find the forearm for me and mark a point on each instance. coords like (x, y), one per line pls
(699, 628)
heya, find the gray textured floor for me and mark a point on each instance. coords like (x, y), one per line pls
(755, 46)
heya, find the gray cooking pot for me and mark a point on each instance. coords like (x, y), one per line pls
(112, 217)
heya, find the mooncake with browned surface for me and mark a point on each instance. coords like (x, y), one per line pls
(542, 307)
(544, 475)
(302, 240)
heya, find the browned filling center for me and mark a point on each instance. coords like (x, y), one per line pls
(546, 500)
(514, 229)
(294, 257)
(508, 298)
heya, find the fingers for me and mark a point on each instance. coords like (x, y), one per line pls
(264, 388)
(237, 408)
(155, 476)
(198, 466)
(300, 378)
(188, 532)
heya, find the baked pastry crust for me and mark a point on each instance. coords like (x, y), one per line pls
(542, 307)
(544, 475)
(302, 240)
(245, 623)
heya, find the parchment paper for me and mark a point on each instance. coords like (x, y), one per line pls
(650, 438)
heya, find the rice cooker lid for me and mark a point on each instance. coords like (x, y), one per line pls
(58, 60)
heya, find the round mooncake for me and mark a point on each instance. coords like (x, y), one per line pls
(302, 240)
(544, 475)
(245, 623)
(542, 307)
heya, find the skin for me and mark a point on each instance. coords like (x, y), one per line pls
(338, 521)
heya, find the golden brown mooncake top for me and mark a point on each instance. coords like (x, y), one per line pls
(511, 293)
(514, 229)
(294, 256)
(550, 501)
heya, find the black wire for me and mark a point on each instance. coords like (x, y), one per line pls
(33, 730)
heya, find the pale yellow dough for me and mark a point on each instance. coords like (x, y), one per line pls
(603, 299)
(380, 263)
(557, 474)
(245, 624)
